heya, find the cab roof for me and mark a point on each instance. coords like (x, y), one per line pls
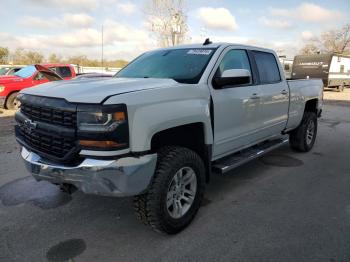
(218, 45)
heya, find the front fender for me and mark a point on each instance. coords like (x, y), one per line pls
(152, 111)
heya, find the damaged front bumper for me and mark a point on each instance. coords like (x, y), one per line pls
(125, 176)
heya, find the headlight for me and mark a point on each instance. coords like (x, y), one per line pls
(100, 121)
(2, 88)
(102, 127)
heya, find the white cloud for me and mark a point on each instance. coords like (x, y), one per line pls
(80, 20)
(280, 12)
(115, 31)
(308, 12)
(307, 35)
(37, 22)
(121, 41)
(275, 23)
(127, 8)
(217, 18)
(81, 38)
(66, 4)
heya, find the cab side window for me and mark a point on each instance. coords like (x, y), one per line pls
(64, 71)
(234, 59)
(267, 67)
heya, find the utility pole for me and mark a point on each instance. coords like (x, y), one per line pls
(102, 49)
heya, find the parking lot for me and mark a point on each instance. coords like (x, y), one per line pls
(285, 206)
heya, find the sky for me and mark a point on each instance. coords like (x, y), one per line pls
(73, 27)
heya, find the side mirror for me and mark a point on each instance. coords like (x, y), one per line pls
(233, 77)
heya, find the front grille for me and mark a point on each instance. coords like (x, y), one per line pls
(50, 144)
(50, 115)
(47, 126)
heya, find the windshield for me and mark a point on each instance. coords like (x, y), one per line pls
(26, 71)
(4, 70)
(182, 65)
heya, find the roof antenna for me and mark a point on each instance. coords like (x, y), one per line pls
(207, 42)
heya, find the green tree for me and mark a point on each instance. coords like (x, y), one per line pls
(53, 58)
(4, 54)
(77, 60)
(32, 57)
(18, 56)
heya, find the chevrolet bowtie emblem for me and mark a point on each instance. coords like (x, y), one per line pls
(29, 126)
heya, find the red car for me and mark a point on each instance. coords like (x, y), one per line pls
(30, 76)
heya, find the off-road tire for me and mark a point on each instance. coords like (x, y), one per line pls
(11, 102)
(150, 207)
(298, 137)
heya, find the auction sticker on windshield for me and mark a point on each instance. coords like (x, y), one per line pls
(199, 52)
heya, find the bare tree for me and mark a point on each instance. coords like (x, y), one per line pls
(167, 20)
(309, 49)
(336, 41)
(332, 41)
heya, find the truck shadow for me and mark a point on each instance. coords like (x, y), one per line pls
(220, 185)
(81, 217)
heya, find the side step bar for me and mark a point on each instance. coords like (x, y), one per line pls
(230, 162)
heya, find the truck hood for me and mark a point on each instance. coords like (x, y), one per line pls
(96, 90)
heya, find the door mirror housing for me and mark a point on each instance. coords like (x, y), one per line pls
(233, 77)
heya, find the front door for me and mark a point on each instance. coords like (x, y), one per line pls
(236, 108)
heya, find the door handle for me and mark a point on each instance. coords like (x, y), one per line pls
(284, 92)
(255, 96)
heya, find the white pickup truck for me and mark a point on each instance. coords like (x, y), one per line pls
(164, 123)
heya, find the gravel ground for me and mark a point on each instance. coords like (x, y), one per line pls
(334, 95)
(284, 206)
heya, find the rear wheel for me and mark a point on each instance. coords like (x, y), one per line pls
(341, 88)
(176, 192)
(12, 103)
(303, 138)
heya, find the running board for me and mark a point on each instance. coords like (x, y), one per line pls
(228, 163)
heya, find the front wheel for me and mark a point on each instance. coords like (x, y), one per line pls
(12, 103)
(303, 138)
(176, 192)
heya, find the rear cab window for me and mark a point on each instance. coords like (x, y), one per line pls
(267, 67)
(63, 71)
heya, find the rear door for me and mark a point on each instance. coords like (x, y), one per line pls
(274, 96)
(235, 107)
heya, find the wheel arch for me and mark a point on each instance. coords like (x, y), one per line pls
(311, 105)
(191, 136)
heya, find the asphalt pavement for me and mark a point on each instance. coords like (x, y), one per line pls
(285, 206)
